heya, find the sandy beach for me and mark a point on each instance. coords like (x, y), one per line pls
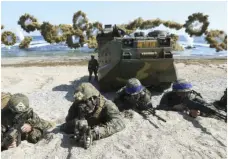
(50, 86)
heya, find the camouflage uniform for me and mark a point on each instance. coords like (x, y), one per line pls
(133, 96)
(93, 67)
(10, 114)
(171, 99)
(105, 118)
(222, 103)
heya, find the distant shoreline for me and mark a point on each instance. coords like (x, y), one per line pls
(74, 61)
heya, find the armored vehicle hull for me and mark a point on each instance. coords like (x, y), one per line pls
(148, 59)
(158, 73)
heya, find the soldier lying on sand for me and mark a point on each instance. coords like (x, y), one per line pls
(19, 122)
(222, 103)
(182, 98)
(91, 110)
(133, 96)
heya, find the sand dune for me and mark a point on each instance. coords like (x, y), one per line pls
(50, 91)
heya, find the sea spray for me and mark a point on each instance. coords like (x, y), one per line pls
(20, 34)
(189, 39)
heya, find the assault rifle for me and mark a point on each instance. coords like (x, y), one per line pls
(15, 131)
(194, 104)
(153, 112)
(83, 136)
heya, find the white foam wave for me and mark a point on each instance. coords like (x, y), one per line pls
(38, 42)
(20, 34)
(193, 44)
(39, 45)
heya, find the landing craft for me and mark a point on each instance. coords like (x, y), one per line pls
(146, 57)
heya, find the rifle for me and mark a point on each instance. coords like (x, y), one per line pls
(15, 131)
(194, 104)
(83, 135)
(153, 112)
(87, 135)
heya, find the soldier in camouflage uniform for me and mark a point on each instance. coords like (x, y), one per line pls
(222, 103)
(133, 96)
(93, 67)
(32, 130)
(92, 109)
(175, 100)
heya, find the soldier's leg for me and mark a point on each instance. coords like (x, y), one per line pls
(90, 74)
(95, 73)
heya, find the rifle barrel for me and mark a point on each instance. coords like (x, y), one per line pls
(153, 112)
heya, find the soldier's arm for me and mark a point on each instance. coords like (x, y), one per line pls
(113, 124)
(72, 112)
(164, 103)
(119, 99)
(89, 64)
(148, 92)
(146, 101)
(39, 127)
(119, 95)
(201, 104)
(97, 64)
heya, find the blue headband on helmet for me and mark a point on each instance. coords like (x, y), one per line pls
(132, 90)
(182, 86)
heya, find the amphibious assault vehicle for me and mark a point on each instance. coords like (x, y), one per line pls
(146, 57)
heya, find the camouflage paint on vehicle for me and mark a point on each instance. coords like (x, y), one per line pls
(147, 58)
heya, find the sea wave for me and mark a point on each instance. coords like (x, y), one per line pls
(41, 47)
(42, 43)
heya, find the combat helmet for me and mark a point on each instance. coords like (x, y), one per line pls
(5, 97)
(18, 103)
(133, 86)
(181, 85)
(85, 91)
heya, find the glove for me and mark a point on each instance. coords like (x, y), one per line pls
(95, 133)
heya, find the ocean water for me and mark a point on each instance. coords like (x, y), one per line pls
(39, 47)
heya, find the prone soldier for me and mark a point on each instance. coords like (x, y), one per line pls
(183, 98)
(92, 110)
(135, 96)
(222, 103)
(20, 122)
